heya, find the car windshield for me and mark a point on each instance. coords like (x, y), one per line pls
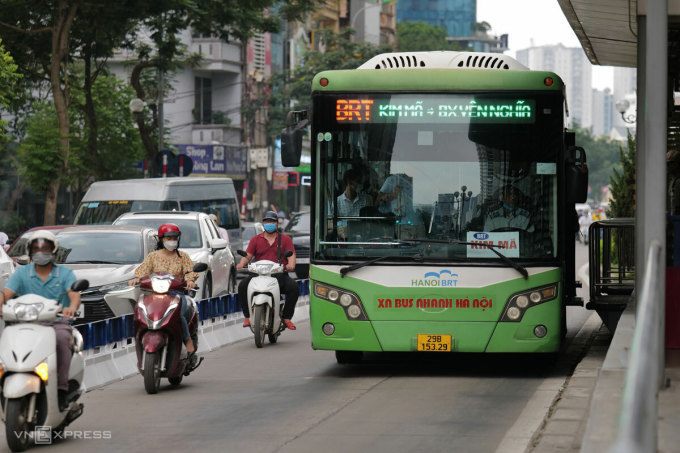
(100, 247)
(105, 212)
(18, 247)
(299, 224)
(191, 233)
(422, 167)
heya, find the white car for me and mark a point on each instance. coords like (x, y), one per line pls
(201, 240)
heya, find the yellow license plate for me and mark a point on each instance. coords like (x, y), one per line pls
(434, 343)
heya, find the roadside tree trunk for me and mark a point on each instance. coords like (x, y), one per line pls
(63, 20)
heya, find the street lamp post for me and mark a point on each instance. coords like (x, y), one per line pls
(622, 107)
(360, 10)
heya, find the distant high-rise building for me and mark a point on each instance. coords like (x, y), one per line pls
(458, 17)
(571, 64)
(625, 82)
(603, 112)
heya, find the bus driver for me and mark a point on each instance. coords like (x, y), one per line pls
(509, 215)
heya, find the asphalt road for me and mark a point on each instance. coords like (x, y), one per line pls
(287, 397)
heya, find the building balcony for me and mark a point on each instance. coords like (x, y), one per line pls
(217, 55)
(206, 134)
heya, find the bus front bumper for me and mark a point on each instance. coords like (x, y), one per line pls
(395, 336)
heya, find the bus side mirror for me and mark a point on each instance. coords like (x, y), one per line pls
(577, 175)
(291, 138)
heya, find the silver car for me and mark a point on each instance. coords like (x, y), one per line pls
(201, 240)
(107, 257)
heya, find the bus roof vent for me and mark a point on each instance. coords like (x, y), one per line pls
(443, 60)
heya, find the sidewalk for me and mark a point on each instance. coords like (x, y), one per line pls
(566, 422)
(669, 406)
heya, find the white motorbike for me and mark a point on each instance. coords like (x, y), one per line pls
(28, 371)
(264, 300)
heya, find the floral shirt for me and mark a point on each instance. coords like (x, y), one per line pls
(160, 262)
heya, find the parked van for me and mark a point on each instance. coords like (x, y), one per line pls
(105, 201)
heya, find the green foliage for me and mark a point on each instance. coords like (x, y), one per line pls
(9, 77)
(39, 158)
(118, 143)
(603, 159)
(285, 91)
(421, 37)
(623, 183)
(12, 224)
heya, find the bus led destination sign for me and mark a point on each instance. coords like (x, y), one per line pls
(454, 109)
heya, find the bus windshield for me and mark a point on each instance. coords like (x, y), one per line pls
(397, 171)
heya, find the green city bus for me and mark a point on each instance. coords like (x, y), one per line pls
(443, 200)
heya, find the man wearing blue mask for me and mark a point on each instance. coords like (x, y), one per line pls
(271, 245)
(508, 215)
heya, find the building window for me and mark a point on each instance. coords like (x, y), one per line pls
(203, 101)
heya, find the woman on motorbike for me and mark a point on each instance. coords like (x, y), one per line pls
(169, 259)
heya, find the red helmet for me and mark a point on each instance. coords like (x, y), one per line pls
(168, 230)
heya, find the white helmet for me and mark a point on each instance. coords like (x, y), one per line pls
(45, 235)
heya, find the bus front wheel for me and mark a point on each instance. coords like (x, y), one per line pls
(348, 357)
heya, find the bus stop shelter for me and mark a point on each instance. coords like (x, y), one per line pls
(642, 34)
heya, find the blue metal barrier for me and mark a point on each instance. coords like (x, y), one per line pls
(100, 333)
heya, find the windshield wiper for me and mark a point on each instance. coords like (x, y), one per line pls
(92, 262)
(521, 269)
(347, 269)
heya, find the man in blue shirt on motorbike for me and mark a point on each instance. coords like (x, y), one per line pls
(49, 280)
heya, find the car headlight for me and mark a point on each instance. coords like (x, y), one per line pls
(27, 312)
(521, 302)
(114, 286)
(160, 285)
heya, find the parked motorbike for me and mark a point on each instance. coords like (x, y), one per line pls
(158, 328)
(28, 371)
(264, 300)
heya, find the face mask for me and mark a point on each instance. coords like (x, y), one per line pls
(269, 227)
(42, 259)
(507, 206)
(170, 245)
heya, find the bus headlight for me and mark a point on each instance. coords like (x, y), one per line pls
(521, 302)
(349, 301)
(514, 313)
(346, 300)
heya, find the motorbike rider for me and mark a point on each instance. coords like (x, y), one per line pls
(169, 259)
(52, 281)
(271, 245)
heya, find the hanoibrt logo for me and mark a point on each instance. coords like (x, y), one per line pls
(442, 279)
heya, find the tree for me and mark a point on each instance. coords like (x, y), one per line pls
(118, 144)
(421, 37)
(623, 183)
(41, 30)
(603, 158)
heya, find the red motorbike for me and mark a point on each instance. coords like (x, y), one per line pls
(158, 330)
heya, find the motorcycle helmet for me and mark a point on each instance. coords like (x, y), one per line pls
(168, 230)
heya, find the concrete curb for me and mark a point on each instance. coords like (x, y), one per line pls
(117, 361)
(523, 435)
